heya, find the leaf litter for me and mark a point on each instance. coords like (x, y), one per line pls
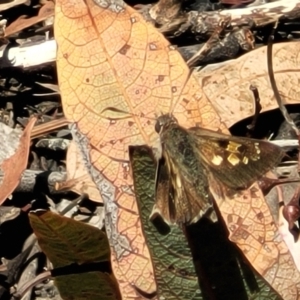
(50, 163)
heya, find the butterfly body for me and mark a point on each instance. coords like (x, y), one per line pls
(190, 159)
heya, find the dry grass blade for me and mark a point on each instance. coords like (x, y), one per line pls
(45, 128)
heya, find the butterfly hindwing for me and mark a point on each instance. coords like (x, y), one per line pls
(237, 162)
(164, 205)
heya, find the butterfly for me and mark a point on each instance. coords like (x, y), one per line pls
(190, 159)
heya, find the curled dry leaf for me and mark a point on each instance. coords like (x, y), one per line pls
(46, 11)
(113, 61)
(78, 178)
(13, 156)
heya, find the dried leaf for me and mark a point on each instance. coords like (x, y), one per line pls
(13, 157)
(252, 228)
(128, 89)
(227, 85)
(78, 179)
(46, 11)
(8, 213)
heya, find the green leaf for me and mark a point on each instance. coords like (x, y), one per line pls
(68, 242)
(87, 286)
(172, 260)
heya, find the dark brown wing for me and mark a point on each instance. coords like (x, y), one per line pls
(236, 162)
(179, 196)
(163, 206)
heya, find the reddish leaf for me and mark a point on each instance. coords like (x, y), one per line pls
(46, 11)
(14, 164)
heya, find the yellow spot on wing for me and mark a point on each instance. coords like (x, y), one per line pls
(233, 159)
(245, 160)
(257, 148)
(178, 182)
(233, 147)
(217, 160)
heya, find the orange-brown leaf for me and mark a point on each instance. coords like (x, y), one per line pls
(13, 166)
(252, 228)
(46, 11)
(78, 179)
(110, 58)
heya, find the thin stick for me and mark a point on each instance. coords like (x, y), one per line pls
(45, 128)
(257, 105)
(213, 40)
(273, 82)
(30, 284)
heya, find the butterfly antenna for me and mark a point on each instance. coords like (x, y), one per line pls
(173, 103)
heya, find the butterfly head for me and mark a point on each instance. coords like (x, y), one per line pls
(164, 121)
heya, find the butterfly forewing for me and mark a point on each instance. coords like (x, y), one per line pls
(163, 205)
(186, 198)
(191, 159)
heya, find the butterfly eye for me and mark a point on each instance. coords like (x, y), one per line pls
(158, 126)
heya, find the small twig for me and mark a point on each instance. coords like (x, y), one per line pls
(266, 184)
(257, 110)
(286, 143)
(283, 109)
(30, 284)
(273, 82)
(73, 204)
(45, 128)
(207, 47)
